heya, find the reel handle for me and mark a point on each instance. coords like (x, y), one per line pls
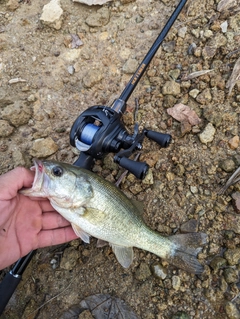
(162, 139)
(139, 169)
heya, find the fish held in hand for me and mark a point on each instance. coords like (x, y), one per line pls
(97, 208)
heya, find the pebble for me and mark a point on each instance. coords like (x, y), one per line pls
(194, 93)
(182, 32)
(228, 165)
(93, 77)
(86, 314)
(217, 262)
(130, 66)
(176, 282)
(143, 272)
(70, 258)
(159, 271)
(232, 311)
(12, 5)
(71, 69)
(232, 256)
(208, 134)
(224, 26)
(5, 128)
(43, 147)
(180, 315)
(230, 275)
(52, 14)
(234, 142)
(236, 201)
(17, 114)
(99, 18)
(204, 97)
(171, 88)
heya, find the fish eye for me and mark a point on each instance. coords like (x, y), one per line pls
(57, 171)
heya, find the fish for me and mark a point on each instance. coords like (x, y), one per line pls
(97, 208)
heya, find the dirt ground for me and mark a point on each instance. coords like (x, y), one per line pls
(47, 80)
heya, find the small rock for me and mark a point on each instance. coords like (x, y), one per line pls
(234, 142)
(190, 226)
(71, 69)
(5, 128)
(182, 32)
(159, 271)
(230, 275)
(204, 97)
(228, 165)
(143, 272)
(99, 18)
(86, 314)
(92, 2)
(217, 262)
(169, 46)
(19, 158)
(92, 78)
(224, 26)
(130, 66)
(194, 93)
(194, 189)
(171, 88)
(180, 315)
(17, 114)
(236, 201)
(176, 282)
(12, 5)
(232, 311)
(148, 180)
(43, 147)
(208, 134)
(70, 258)
(52, 14)
(233, 222)
(232, 256)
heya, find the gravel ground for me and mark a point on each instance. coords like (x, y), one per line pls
(50, 73)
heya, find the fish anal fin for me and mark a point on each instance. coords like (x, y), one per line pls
(80, 233)
(123, 254)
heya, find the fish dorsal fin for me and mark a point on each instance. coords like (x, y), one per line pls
(123, 254)
(80, 233)
(101, 243)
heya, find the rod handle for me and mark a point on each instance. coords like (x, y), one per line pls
(7, 288)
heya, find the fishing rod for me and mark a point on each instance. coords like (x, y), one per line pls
(98, 131)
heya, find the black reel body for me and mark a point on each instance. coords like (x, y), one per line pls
(99, 130)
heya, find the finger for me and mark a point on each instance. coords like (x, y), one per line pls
(45, 205)
(12, 181)
(52, 220)
(55, 236)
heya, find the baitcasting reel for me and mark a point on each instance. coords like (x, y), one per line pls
(99, 130)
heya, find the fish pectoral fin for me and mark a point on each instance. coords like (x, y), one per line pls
(101, 243)
(94, 215)
(123, 254)
(80, 233)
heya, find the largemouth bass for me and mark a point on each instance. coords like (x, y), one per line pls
(97, 208)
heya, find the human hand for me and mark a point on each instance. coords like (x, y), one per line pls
(27, 224)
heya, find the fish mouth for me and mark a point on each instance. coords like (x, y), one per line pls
(38, 168)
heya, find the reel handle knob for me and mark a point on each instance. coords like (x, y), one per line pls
(162, 139)
(139, 169)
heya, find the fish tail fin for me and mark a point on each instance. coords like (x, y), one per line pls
(187, 247)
